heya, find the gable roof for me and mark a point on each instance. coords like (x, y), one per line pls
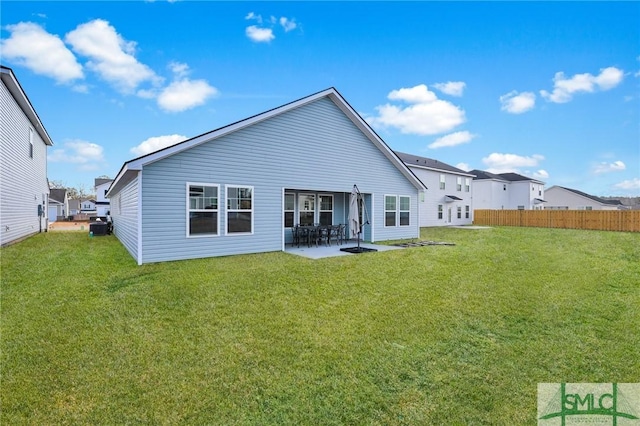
(99, 181)
(131, 167)
(515, 177)
(58, 194)
(13, 85)
(506, 177)
(429, 163)
(482, 175)
(591, 197)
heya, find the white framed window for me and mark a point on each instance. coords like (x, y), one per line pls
(306, 209)
(467, 212)
(239, 209)
(459, 212)
(467, 184)
(520, 207)
(390, 210)
(30, 143)
(202, 209)
(289, 209)
(440, 211)
(326, 209)
(442, 181)
(405, 210)
(458, 183)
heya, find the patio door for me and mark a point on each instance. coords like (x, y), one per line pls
(306, 209)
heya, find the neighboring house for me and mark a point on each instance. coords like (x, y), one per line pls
(54, 207)
(506, 191)
(24, 189)
(241, 188)
(87, 206)
(561, 198)
(62, 204)
(448, 200)
(74, 207)
(102, 202)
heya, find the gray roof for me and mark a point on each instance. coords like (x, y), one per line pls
(99, 181)
(430, 163)
(593, 197)
(58, 194)
(509, 177)
(479, 175)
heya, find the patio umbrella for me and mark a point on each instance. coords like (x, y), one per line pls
(354, 214)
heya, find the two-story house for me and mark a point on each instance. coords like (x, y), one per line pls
(506, 191)
(24, 189)
(102, 202)
(448, 199)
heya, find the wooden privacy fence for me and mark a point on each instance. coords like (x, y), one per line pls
(602, 220)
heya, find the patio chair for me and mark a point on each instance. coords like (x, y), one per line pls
(295, 234)
(322, 234)
(334, 234)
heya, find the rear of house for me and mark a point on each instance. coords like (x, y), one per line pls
(24, 191)
(449, 197)
(240, 189)
(561, 198)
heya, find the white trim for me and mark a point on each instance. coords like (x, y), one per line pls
(319, 206)
(227, 210)
(10, 80)
(331, 93)
(400, 210)
(140, 217)
(395, 211)
(373, 227)
(188, 209)
(283, 194)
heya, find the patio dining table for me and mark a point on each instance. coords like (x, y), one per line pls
(314, 234)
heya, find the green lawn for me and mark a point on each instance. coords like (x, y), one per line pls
(430, 335)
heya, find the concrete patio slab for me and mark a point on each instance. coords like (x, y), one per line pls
(321, 252)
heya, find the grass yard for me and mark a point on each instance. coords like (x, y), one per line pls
(430, 335)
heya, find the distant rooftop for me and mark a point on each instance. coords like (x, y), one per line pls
(509, 177)
(415, 160)
(593, 197)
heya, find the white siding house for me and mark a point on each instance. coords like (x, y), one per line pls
(24, 190)
(561, 198)
(448, 198)
(239, 189)
(103, 206)
(506, 191)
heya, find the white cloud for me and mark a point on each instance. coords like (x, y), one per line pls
(155, 143)
(288, 24)
(254, 17)
(185, 94)
(463, 166)
(179, 69)
(503, 163)
(453, 139)
(616, 166)
(427, 115)
(31, 46)
(111, 57)
(628, 184)
(86, 155)
(260, 35)
(453, 88)
(564, 88)
(517, 103)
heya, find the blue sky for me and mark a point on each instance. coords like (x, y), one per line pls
(549, 90)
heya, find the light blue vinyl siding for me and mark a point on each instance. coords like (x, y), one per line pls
(125, 217)
(314, 148)
(23, 178)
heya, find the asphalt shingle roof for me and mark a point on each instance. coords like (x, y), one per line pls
(415, 160)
